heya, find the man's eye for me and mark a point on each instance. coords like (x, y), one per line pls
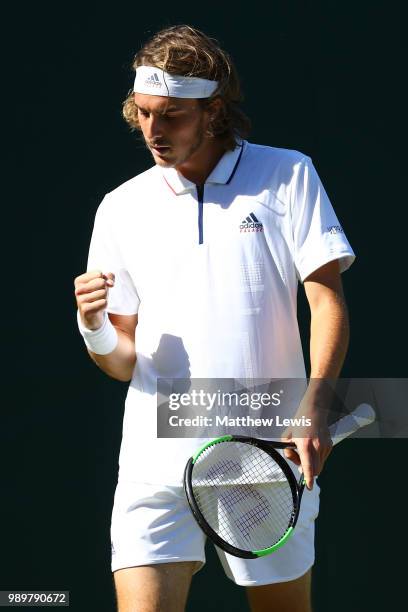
(165, 116)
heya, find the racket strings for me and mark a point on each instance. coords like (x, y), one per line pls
(243, 494)
(238, 513)
(263, 470)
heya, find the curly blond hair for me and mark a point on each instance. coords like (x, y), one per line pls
(186, 51)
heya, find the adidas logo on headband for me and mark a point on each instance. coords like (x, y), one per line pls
(153, 81)
(148, 81)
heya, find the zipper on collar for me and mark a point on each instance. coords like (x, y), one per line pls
(200, 199)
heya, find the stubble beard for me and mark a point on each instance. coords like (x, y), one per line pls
(198, 141)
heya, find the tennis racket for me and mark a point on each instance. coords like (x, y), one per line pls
(243, 493)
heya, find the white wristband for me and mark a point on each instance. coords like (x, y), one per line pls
(100, 341)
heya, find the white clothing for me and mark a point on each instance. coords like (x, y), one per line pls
(213, 279)
(154, 524)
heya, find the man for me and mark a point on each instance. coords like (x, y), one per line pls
(192, 272)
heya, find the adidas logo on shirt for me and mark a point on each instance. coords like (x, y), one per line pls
(153, 81)
(335, 229)
(251, 224)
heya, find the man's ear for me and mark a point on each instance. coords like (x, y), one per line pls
(215, 112)
(214, 108)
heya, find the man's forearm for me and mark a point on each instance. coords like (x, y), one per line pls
(119, 363)
(329, 338)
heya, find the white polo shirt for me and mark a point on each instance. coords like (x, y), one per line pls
(213, 277)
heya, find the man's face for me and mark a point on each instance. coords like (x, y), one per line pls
(173, 128)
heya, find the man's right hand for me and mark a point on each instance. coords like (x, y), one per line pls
(91, 292)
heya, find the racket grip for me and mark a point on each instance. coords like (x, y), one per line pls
(362, 416)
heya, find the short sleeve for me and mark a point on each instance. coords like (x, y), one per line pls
(317, 234)
(105, 255)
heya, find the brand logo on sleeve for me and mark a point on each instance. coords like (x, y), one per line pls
(251, 224)
(335, 229)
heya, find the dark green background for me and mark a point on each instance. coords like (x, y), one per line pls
(321, 77)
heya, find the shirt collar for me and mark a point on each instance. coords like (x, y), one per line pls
(221, 175)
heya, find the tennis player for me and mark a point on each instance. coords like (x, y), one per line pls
(193, 271)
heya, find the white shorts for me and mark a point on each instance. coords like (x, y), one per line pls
(153, 524)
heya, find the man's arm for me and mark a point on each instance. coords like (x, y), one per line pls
(329, 329)
(91, 292)
(329, 338)
(120, 363)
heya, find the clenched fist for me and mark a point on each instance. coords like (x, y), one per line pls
(91, 292)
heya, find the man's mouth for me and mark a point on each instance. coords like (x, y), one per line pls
(160, 148)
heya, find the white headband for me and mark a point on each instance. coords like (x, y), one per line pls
(155, 82)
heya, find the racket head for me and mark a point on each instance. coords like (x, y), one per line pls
(243, 494)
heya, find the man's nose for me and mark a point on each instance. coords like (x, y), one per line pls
(154, 127)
